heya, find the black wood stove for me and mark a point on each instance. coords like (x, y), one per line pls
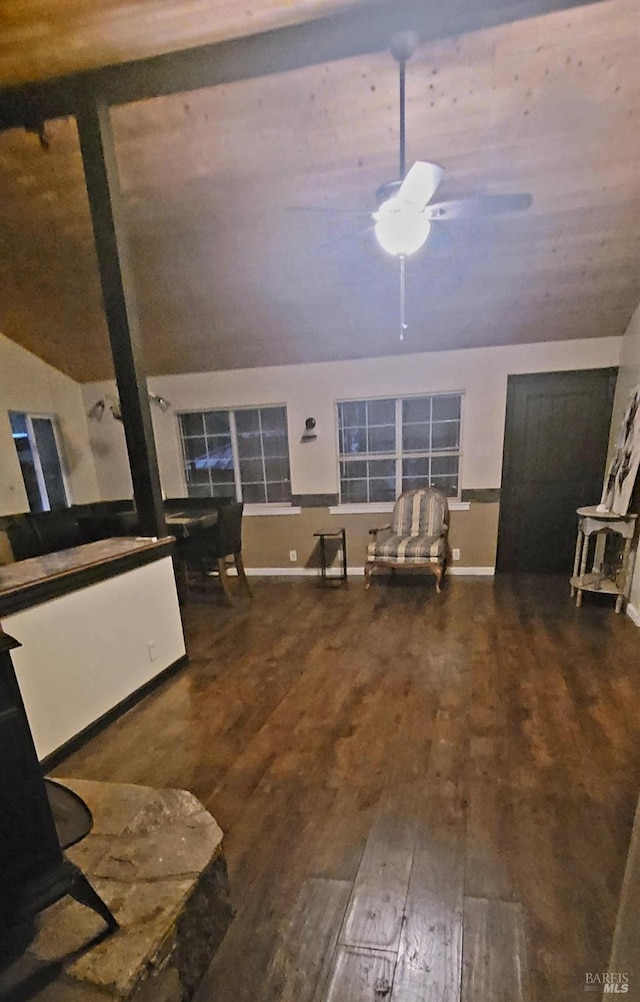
(34, 871)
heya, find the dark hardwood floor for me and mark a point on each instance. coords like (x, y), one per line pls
(424, 797)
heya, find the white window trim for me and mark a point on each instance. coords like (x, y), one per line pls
(257, 508)
(455, 504)
(382, 507)
(234, 452)
(271, 509)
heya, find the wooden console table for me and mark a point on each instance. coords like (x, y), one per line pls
(596, 524)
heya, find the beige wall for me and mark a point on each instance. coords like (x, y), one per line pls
(108, 446)
(312, 390)
(29, 384)
(267, 540)
(628, 377)
(96, 457)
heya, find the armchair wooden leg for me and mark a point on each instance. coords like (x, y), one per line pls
(224, 580)
(438, 571)
(368, 568)
(241, 572)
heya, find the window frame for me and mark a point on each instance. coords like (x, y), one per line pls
(231, 411)
(399, 454)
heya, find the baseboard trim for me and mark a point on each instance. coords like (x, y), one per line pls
(356, 571)
(277, 572)
(633, 613)
(55, 757)
(485, 572)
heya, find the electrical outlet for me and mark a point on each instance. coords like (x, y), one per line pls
(293, 556)
(153, 654)
(456, 554)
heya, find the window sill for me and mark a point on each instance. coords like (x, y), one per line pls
(271, 509)
(382, 507)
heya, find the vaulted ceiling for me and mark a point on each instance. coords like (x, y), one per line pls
(233, 265)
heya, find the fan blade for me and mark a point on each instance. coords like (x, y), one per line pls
(482, 205)
(420, 184)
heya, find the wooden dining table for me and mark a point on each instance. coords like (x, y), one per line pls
(182, 524)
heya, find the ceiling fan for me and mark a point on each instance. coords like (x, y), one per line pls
(405, 211)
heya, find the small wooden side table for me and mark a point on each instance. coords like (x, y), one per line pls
(593, 523)
(341, 535)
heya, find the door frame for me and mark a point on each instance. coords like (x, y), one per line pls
(507, 455)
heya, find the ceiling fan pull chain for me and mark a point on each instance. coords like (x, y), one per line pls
(403, 326)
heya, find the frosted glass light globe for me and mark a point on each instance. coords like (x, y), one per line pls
(400, 230)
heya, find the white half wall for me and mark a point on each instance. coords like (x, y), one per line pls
(31, 385)
(312, 390)
(85, 652)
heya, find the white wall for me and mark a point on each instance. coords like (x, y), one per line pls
(313, 389)
(85, 652)
(108, 446)
(29, 384)
(628, 377)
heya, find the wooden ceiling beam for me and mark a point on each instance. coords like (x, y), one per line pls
(362, 28)
(118, 291)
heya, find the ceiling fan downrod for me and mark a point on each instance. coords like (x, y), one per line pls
(403, 151)
(403, 45)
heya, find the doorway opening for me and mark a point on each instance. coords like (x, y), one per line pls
(555, 452)
(37, 443)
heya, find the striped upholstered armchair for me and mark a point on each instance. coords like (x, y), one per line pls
(417, 536)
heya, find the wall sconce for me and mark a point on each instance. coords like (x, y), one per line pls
(100, 406)
(162, 403)
(309, 434)
(96, 412)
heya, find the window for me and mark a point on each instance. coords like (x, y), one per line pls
(389, 446)
(242, 454)
(36, 441)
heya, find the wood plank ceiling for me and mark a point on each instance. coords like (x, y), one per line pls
(229, 276)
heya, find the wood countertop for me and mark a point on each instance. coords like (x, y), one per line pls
(26, 583)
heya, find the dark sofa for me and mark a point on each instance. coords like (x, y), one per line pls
(32, 534)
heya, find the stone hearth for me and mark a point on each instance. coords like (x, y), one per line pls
(156, 858)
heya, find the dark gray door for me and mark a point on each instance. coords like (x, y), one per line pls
(555, 450)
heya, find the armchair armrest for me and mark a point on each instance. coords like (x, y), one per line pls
(374, 532)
